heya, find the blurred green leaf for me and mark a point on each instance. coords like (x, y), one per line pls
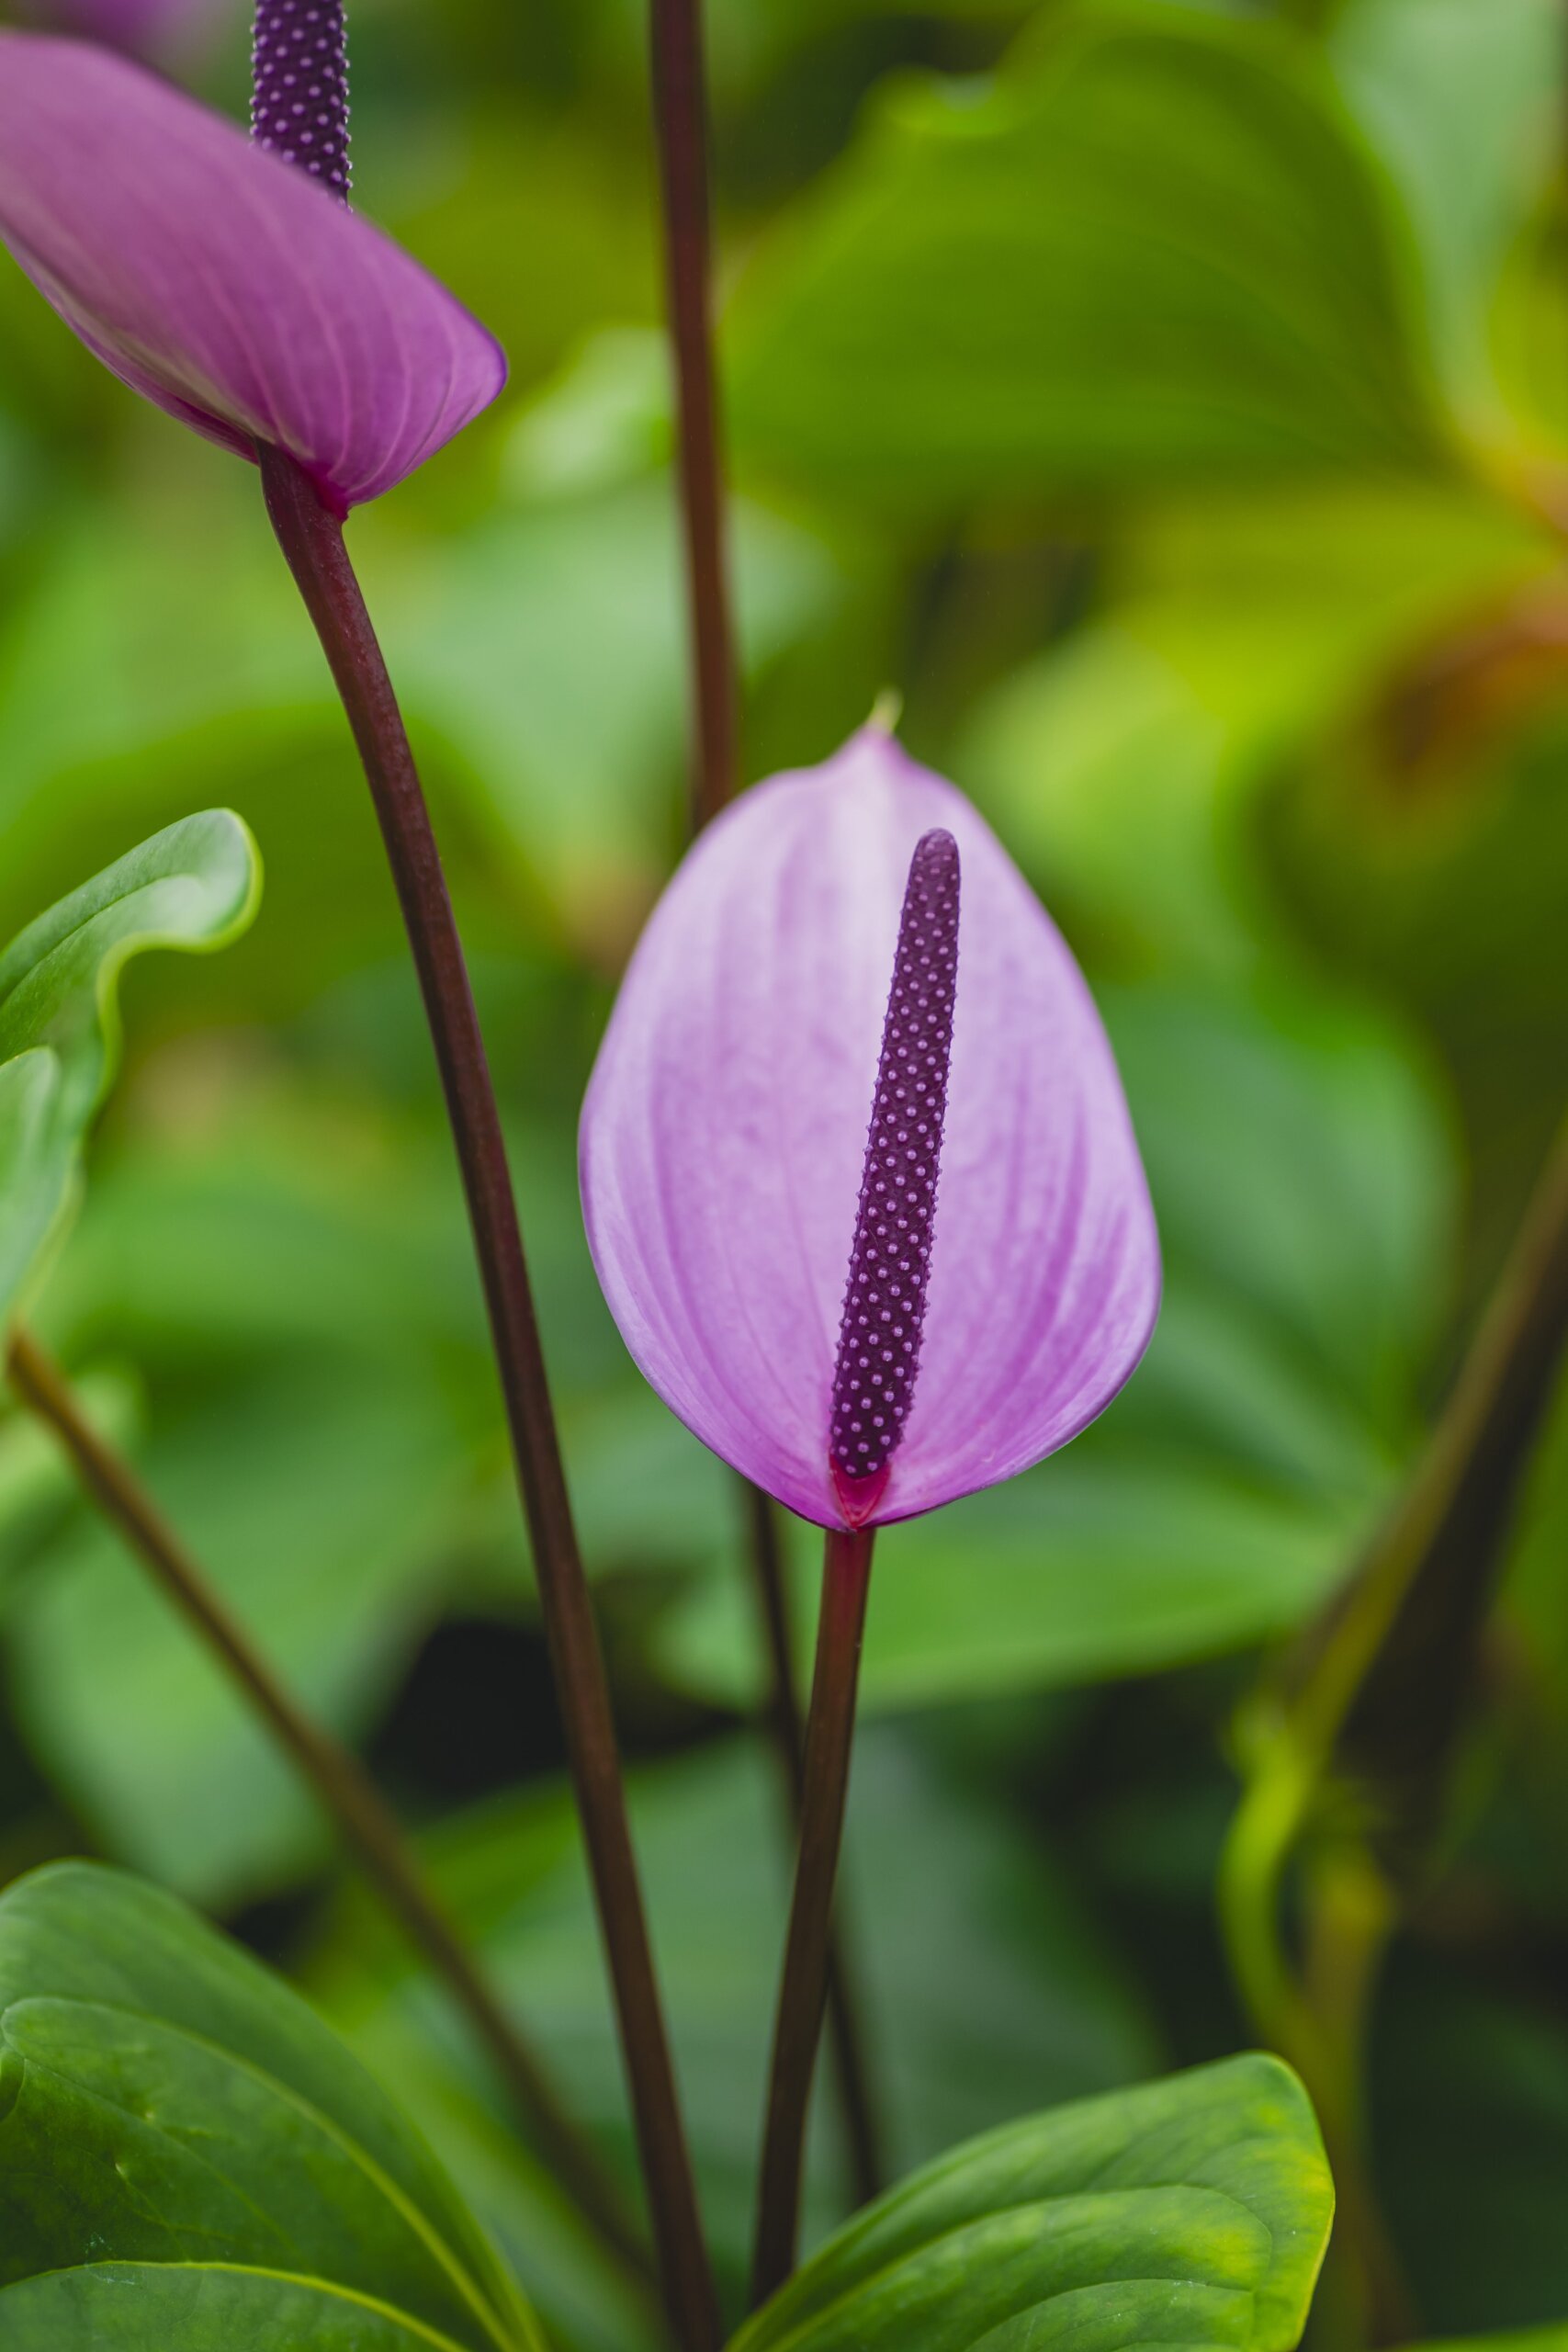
(545, 648)
(1195, 2209)
(985, 1988)
(38, 1483)
(1550, 2338)
(190, 2159)
(1154, 251)
(1464, 104)
(605, 420)
(1302, 1175)
(195, 887)
(1478, 2211)
(1124, 767)
(322, 1502)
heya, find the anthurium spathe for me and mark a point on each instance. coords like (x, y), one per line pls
(859, 1178)
(225, 280)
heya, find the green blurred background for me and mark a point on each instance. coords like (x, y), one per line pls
(1171, 400)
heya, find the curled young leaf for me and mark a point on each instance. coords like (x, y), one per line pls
(195, 886)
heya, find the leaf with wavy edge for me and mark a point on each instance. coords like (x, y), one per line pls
(195, 886)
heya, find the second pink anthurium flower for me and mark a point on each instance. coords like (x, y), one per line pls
(210, 274)
(859, 1178)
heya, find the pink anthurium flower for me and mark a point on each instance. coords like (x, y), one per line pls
(858, 1174)
(215, 277)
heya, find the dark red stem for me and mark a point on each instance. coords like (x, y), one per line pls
(681, 118)
(786, 1727)
(312, 542)
(797, 2026)
(680, 91)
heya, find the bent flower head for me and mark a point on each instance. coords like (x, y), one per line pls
(221, 279)
(858, 1175)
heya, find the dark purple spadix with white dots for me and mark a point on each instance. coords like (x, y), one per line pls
(884, 1304)
(299, 87)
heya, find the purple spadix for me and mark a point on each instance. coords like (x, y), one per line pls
(299, 87)
(225, 280)
(857, 1167)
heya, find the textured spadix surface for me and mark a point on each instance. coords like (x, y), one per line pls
(725, 1131)
(223, 284)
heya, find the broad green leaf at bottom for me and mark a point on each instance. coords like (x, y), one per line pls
(189, 2157)
(1193, 2211)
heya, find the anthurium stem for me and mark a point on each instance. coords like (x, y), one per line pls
(344, 1788)
(797, 2026)
(680, 92)
(786, 1725)
(312, 541)
(680, 117)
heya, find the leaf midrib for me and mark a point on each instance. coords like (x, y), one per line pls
(886, 2271)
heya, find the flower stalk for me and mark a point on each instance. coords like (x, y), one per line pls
(681, 120)
(680, 92)
(310, 536)
(786, 1727)
(340, 1783)
(803, 1992)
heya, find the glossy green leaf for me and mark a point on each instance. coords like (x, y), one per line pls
(189, 2158)
(193, 886)
(1189, 2212)
(1154, 251)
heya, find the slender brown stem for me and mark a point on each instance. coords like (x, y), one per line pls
(786, 1726)
(311, 539)
(681, 115)
(829, 1734)
(345, 1789)
(681, 118)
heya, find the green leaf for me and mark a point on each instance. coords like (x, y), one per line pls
(189, 2158)
(1192, 2211)
(321, 1499)
(1436, 79)
(1552, 2338)
(545, 647)
(1476, 2212)
(1123, 767)
(1154, 251)
(195, 886)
